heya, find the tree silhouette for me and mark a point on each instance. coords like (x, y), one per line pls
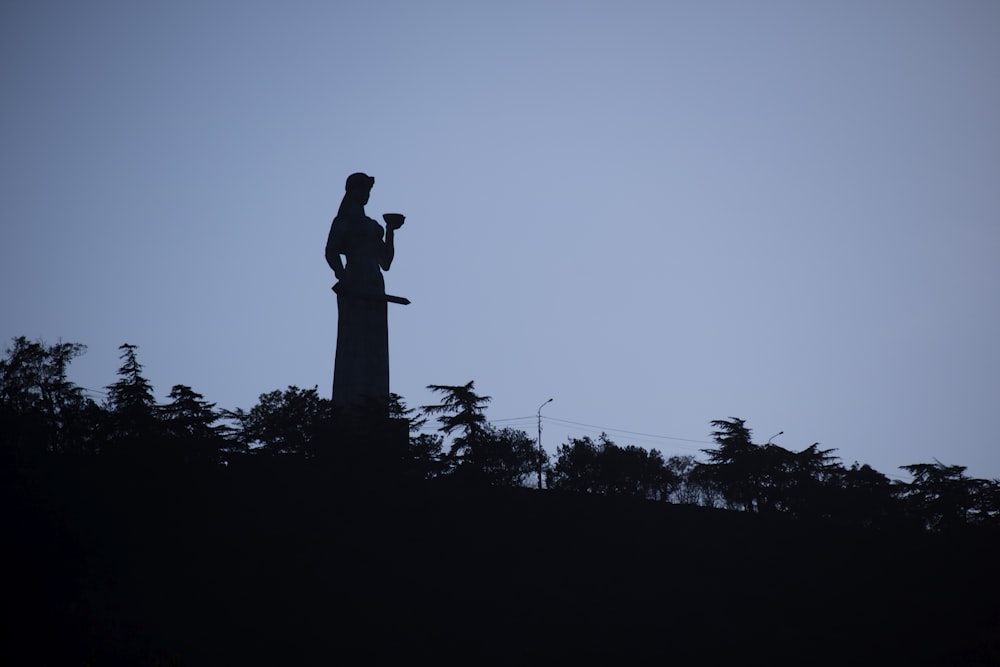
(807, 481)
(424, 454)
(944, 498)
(190, 422)
(499, 457)
(867, 497)
(605, 468)
(399, 410)
(130, 400)
(687, 489)
(577, 467)
(42, 413)
(986, 508)
(41, 409)
(769, 478)
(795, 482)
(292, 421)
(733, 467)
(480, 454)
(638, 472)
(461, 409)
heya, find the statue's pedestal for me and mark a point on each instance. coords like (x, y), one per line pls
(370, 444)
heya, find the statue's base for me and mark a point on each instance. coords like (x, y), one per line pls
(368, 443)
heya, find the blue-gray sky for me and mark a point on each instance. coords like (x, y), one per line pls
(657, 213)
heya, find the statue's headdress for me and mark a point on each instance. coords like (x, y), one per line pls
(359, 181)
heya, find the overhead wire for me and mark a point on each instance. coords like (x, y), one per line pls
(531, 419)
(620, 430)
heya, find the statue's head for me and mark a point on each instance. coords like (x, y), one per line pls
(359, 187)
(359, 181)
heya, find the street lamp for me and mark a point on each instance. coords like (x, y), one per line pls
(774, 436)
(541, 452)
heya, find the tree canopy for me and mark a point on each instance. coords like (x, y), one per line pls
(45, 414)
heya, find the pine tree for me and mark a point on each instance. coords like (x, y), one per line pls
(130, 399)
(189, 421)
(460, 409)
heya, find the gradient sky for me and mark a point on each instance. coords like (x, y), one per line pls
(656, 213)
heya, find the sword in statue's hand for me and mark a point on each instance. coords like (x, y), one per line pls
(374, 296)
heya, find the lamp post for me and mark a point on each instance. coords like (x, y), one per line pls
(774, 436)
(541, 452)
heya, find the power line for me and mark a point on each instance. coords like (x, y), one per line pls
(526, 419)
(620, 430)
(531, 418)
(514, 419)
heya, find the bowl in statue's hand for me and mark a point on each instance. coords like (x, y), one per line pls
(394, 220)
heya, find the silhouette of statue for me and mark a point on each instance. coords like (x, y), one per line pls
(361, 367)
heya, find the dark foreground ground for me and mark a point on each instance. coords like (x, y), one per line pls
(291, 565)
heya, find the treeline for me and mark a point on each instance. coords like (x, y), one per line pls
(44, 415)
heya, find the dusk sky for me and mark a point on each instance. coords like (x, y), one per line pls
(657, 213)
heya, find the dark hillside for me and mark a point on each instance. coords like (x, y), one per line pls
(280, 562)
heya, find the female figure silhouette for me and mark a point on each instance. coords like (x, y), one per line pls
(361, 367)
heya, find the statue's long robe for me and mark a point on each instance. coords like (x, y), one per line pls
(361, 368)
